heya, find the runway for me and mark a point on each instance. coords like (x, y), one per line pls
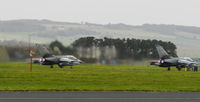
(99, 96)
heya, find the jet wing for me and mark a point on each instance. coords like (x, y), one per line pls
(65, 60)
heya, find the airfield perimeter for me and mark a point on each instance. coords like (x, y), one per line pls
(15, 76)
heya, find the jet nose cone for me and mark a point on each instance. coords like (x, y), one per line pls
(80, 61)
(76, 63)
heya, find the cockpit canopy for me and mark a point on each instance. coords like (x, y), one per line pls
(187, 58)
(71, 57)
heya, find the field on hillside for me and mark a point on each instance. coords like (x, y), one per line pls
(16, 76)
(3, 54)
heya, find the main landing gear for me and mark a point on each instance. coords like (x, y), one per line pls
(178, 67)
(60, 65)
(169, 68)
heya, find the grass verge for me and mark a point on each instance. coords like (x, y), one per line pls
(16, 77)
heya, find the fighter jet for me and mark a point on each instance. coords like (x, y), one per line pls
(61, 61)
(167, 61)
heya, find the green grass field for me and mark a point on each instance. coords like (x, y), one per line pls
(16, 76)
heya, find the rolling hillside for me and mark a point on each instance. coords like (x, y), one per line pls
(186, 38)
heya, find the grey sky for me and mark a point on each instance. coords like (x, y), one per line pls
(134, 12)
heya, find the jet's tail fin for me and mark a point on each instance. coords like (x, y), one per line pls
(44, 52)
(161, 52)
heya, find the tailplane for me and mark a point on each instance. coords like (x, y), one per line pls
(161, 52)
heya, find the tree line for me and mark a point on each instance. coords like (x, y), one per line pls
(126, 48)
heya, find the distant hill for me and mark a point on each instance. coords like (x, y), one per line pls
(186, 38)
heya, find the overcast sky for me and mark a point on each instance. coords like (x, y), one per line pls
(133, 12)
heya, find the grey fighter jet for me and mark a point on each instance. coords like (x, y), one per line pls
(49, 59)
(167, 61)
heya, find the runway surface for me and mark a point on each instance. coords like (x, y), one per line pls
(113, 96)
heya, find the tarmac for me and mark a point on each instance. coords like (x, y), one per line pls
(98, 96)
